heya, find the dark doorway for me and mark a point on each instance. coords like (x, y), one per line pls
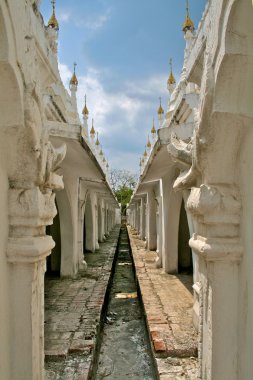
(185, 265)
(54, 260)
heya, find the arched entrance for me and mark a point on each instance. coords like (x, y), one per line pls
(185, 264)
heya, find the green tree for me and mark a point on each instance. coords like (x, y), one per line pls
(123, 183)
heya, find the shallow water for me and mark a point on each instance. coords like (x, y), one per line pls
(125, 348)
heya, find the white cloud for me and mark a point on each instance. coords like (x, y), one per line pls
(148, 87)
(124, 117)
(65, 74)
(104, 104)
(97, 22)
(90, 22)
(64, 16)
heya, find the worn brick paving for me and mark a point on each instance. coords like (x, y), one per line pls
(73, 310)
(168, 305)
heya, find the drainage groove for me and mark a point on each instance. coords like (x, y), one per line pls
(125, 351)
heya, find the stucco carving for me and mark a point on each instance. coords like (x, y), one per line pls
(217, 212)
(31, 200)
(185, 154)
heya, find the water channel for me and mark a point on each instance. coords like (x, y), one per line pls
(125, 351)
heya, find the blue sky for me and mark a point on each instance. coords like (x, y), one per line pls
(122, 48)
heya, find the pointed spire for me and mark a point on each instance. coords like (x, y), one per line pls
(160, 110)
(101, 152)
(92, 131)
(153, 130)
(171, 82)
(73, 80)
(85, 111)
(188, 23)
(140, 164)
(53, 23)
(171, 79)
(145, 153)
(97, 141)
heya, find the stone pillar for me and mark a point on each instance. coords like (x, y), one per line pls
(171, 218)
(30, 211)
(159, 229)
(81, 262)
(143, 219)
(134, 216)
(96, 226)
(138, 217)
(107, 221)
(94, 241)
(216, 209)
(102, 221)
(113, 218)
(151, 221)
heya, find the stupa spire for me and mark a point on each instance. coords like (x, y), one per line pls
(171, 82)
(53, 23)
(188, 23)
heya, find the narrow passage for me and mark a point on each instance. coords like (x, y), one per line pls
(125, 348)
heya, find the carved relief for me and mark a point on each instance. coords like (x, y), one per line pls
(31, 200)
(217, 211)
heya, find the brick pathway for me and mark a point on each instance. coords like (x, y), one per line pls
(73, 310)
(168, 305)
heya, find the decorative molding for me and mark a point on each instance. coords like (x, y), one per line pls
(217, 212)
(31, 208)
(29, 250)
(217, 249)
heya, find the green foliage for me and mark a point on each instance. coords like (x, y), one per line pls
(123, 196)
(123, 183)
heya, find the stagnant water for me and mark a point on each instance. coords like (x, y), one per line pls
(125, 348)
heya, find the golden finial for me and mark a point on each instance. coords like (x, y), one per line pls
(145, 153)
(160, 110)
(148, 143)
(153, 130)
(85, 109)
(101, 152)
(171, 79)
(188, 23)
(73, 80)
(92, 131)
(97, 141)
(53, 23)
